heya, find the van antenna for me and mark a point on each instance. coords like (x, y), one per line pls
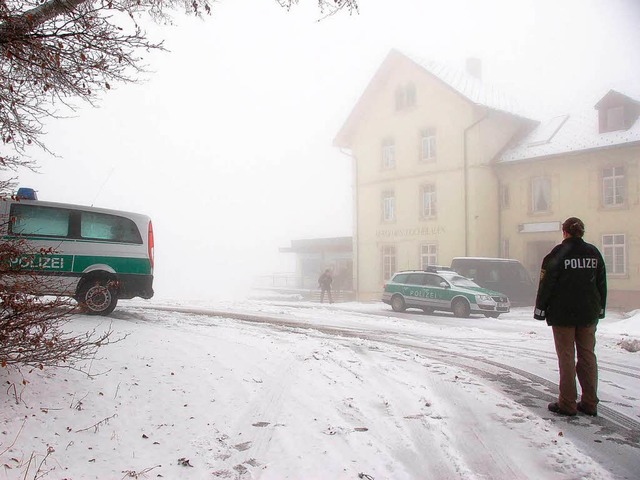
(102, 186)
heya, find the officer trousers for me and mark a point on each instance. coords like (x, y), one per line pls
(569, 341)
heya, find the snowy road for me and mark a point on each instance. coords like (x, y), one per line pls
(297, 390)
(509, 366)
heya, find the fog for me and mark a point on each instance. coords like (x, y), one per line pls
(227, 143)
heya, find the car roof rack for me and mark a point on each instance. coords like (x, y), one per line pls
(438, 268)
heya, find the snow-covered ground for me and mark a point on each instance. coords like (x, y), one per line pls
(296, 390)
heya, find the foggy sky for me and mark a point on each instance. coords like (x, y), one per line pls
(227, 143)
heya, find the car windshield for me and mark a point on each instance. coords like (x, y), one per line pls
(459, 281)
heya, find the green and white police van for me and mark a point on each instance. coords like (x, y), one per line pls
(438, 289)
(94, 255)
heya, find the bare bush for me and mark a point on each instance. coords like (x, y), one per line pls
(32, 328)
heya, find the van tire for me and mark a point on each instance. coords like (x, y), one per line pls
(98, 296)
(461, 308)
(397, 303)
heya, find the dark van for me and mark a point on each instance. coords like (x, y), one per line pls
(503, 275)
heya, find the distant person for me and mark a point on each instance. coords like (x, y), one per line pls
(324, 282)
(572, 295)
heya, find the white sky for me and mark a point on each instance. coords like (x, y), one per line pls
(244, 400)
(227, 145)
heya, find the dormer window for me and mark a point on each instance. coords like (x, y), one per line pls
(617, 112)
(614, 119)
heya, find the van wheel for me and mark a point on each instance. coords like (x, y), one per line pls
(397, 304)
(461, 308)
(98, 296)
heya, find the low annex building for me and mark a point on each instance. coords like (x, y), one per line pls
(445, 166)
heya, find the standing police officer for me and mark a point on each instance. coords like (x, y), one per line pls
(571, 297)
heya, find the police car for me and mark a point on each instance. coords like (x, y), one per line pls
(439, 289)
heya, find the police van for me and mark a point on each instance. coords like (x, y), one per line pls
(504, 275)
(94, 255)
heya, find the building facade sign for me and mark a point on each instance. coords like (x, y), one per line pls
(410, 232)
(538, 227)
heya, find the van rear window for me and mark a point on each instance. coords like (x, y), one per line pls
(101, 226)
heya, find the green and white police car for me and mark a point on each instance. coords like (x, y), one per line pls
(446, 290)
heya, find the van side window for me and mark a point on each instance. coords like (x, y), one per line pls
(522, 275)
(471, 273)
(39, 221)
(492, 275)
(101, 226)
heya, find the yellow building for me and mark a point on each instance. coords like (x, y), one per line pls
(444, 167)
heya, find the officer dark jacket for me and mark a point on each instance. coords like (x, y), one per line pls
(573, 285)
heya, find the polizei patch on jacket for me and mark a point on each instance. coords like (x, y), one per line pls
(580, 263)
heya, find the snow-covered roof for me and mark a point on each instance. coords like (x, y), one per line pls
(464, 84)
(473, 89)
(569, 133)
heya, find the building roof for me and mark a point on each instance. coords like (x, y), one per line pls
(570, 133)
(464, 84)
(311, 245)
(471, 88)
(559, 135)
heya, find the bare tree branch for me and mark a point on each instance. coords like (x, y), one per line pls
(57, 51)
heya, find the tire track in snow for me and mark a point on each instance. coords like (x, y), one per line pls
(615, 435)
(390, 338)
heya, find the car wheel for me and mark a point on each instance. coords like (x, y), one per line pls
(461, 308)
(397, 303)
(428, 310)
(492, 315)
(98, 296)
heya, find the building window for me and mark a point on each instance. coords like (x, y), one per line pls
(388, 206)
(505, 196)
(428, 204)
(614, 119)
(428, 145)
(405, 96)
(410, 92)
(615, 252)
(613, 186)
(388, 261)
(388, 154)
(428, 255)
(540, 194)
